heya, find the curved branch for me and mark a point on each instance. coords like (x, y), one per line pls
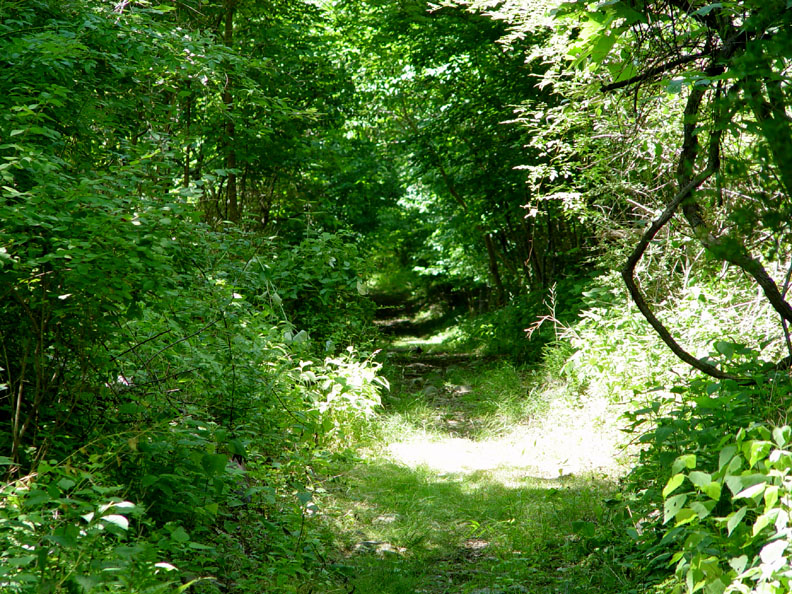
(688, 183)
(628, 274)
(654, 71)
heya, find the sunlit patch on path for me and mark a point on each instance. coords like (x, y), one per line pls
(477, 480)
(564, 441)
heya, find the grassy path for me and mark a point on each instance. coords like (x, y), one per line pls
(476, 479)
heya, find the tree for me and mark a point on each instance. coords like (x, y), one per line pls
(726, 64)
(731, 57)
(441, 92)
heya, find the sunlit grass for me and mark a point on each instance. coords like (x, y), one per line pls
(478, 474)
(416, 529)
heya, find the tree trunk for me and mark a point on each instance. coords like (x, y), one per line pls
(500, 293)
(233, 212)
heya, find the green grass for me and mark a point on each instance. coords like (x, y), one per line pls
(484, 477)
(411, 530)
(466, 483)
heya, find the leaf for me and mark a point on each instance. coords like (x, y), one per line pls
(703, 509)
(181, 589)
(685, 516)
(672, 506)
(761, 523)
(739, 564)
(700, 479)
(117, 520)
(602, 48)
(65, 536)
(66, 483)
(20, 561)
(758, 451)
(673, 484)
(685, 461)
(214, 463)
(705, 10)
(713, 491)
(782, 435)
(180, 535)
(751, 491)
(773, 551)
(725, 348)
(770, 497)
(733, 519)
(738, 483)
(726, 455)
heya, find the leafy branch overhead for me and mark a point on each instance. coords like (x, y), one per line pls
(726, 62)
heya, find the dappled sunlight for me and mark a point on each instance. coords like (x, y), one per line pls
(567, 439)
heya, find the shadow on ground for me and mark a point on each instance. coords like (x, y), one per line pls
(407, 530)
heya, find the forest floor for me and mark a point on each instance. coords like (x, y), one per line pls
(477, 478)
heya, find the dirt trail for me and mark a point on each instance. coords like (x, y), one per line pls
(444, 503)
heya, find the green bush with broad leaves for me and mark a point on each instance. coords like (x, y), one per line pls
(63, 530)
(320, 284)
(730, 521)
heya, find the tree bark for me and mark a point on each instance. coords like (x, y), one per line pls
(233, 212)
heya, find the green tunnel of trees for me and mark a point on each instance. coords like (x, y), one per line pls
(197, 196)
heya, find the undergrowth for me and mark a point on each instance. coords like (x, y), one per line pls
(681, 517)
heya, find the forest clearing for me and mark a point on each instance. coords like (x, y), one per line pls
(395, 296)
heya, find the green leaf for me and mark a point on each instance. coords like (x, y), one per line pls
(180, 535)
(214, 463)
(700, 479)
(738, 483)
(703, 509)
(763, 522)
(705, 10)
(713, 491)
(782, 435)
(66, 483)
(685, 516)
(770, 496)
(65, 536)
(685, 461)
(758, 451)
(726, 455)
(602, 48)
(733, 519)
(725, 348)
(20, 561)
(672, 506)
(184, 587)
(673, 484)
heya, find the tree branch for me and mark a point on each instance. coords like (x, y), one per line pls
(654, 71)
(628, 274)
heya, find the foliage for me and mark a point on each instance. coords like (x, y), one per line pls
(62, 532)
(321, 285)
(732, 527)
